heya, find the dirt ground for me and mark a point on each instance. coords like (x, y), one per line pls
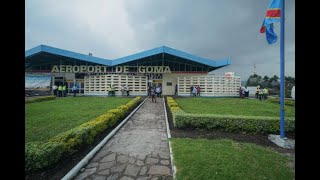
(62, 168)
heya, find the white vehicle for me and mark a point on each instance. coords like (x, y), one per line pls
(293, 93)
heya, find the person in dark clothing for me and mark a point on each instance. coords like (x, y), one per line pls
(153, 95)
(176, 90)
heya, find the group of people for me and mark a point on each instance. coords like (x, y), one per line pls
(61, 90)
(125, 89)
(195, 91)
(244, 92)
(261, 93)
(153, 91)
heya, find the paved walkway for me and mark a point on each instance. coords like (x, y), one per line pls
(139, 150)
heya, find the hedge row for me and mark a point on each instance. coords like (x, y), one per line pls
(287, 102)
(233, 123)
(39, 155)
(39, 99)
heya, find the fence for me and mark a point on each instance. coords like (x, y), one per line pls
(99, 84)
(210, 85)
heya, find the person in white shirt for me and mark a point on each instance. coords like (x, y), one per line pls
(246, 91)
(158, 90)
(74, 90)
(55, 90)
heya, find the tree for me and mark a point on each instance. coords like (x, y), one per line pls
(265, 82)
(254, 80)
(274, 82)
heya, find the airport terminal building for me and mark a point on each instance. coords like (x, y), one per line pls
(162, 66)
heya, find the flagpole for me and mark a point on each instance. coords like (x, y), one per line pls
(282, 121)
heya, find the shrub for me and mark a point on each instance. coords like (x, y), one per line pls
(39, 155)
(256, 124)
(286, 101)
(39, 99)
(251, 124)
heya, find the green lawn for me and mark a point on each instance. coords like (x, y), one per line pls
(46, 119)
(234, 106)
(226, 159)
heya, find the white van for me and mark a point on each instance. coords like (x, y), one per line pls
(293, 95)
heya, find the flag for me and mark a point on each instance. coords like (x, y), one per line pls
(272, 16)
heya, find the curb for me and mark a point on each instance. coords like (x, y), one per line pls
(169, 137)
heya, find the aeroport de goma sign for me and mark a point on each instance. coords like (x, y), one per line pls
(103, 69)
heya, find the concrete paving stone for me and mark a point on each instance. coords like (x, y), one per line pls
(139, 163)
(165, 149)
(122, 159)
(154, 154)
(143, 178)
(106, 165)
(141, 157)
(126, 178)
(86, 173)
(163, 155)
(118, 168)
(165, 162)
(93, 164)
(152, 160)
(113, 177)
(159, 170)
(110, 157)
(104, 172)
(98, 177)
(132, 160)
(143, 170)
(132, 170)
(100, 154)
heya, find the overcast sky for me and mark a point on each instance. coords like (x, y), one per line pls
(213, 29)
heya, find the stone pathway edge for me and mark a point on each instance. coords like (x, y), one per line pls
(169, 139)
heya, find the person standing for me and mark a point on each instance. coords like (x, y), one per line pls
(60, 90)
(55, 90)
(257, 91)
(64, 90)
(198, 90)
(74, 90)
(127, 90)
(191, 90)
(260, 92)
(149, 90)
(122, 89)
(158, 89)
(246, 91)
(176, 90)
(153, 95)
(194, 91)
(241, 92)
(266, 93)
(113, 91)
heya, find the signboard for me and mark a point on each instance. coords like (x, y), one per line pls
(103, 69)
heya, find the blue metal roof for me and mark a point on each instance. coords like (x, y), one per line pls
(69, 54)
(163, 49)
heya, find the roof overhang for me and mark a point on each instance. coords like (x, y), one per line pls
(47, 53)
